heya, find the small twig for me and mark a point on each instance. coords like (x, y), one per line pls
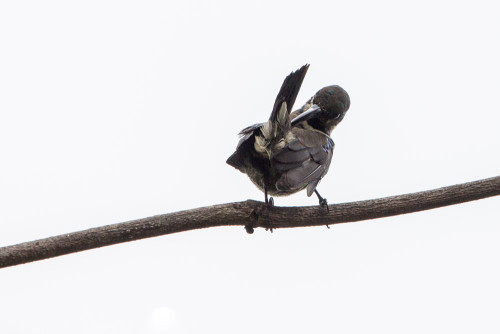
(250, 214)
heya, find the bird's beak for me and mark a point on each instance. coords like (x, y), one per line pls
(306, 115)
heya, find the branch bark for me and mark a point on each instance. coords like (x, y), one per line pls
(250, 214)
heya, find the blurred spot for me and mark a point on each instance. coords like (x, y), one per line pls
(162, 320)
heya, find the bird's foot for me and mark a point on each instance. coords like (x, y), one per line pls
(269, 201)
(322, 201)
(324, 204)
(270, 204)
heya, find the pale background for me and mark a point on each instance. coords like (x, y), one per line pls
(117, 110)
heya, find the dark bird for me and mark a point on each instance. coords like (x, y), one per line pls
(292, 150)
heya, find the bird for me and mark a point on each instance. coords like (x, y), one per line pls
(292, 151)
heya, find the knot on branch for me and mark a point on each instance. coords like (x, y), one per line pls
(254, 217)
(259, 211)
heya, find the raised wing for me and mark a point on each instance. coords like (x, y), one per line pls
(237, 159)
(289, 91)
(248, 132)
(303, 161)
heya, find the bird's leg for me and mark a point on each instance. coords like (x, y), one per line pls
(322, 201)
(269, 203)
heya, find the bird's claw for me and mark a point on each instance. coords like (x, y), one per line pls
(324, 204)
(270, 203)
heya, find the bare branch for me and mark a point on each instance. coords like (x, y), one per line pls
(250, 214)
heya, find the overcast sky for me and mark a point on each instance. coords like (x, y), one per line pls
(117, 110)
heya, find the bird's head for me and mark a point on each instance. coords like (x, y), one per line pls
(325, 109)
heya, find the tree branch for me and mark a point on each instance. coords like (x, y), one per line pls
(250, 214)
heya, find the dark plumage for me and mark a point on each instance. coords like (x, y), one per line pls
(292, 151)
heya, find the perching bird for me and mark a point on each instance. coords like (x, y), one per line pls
(292, 151)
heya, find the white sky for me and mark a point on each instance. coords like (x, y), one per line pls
(117, 110)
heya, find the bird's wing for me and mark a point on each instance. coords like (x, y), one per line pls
(248, 132)
(289, 91)
(237, 158)
(303, 161)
